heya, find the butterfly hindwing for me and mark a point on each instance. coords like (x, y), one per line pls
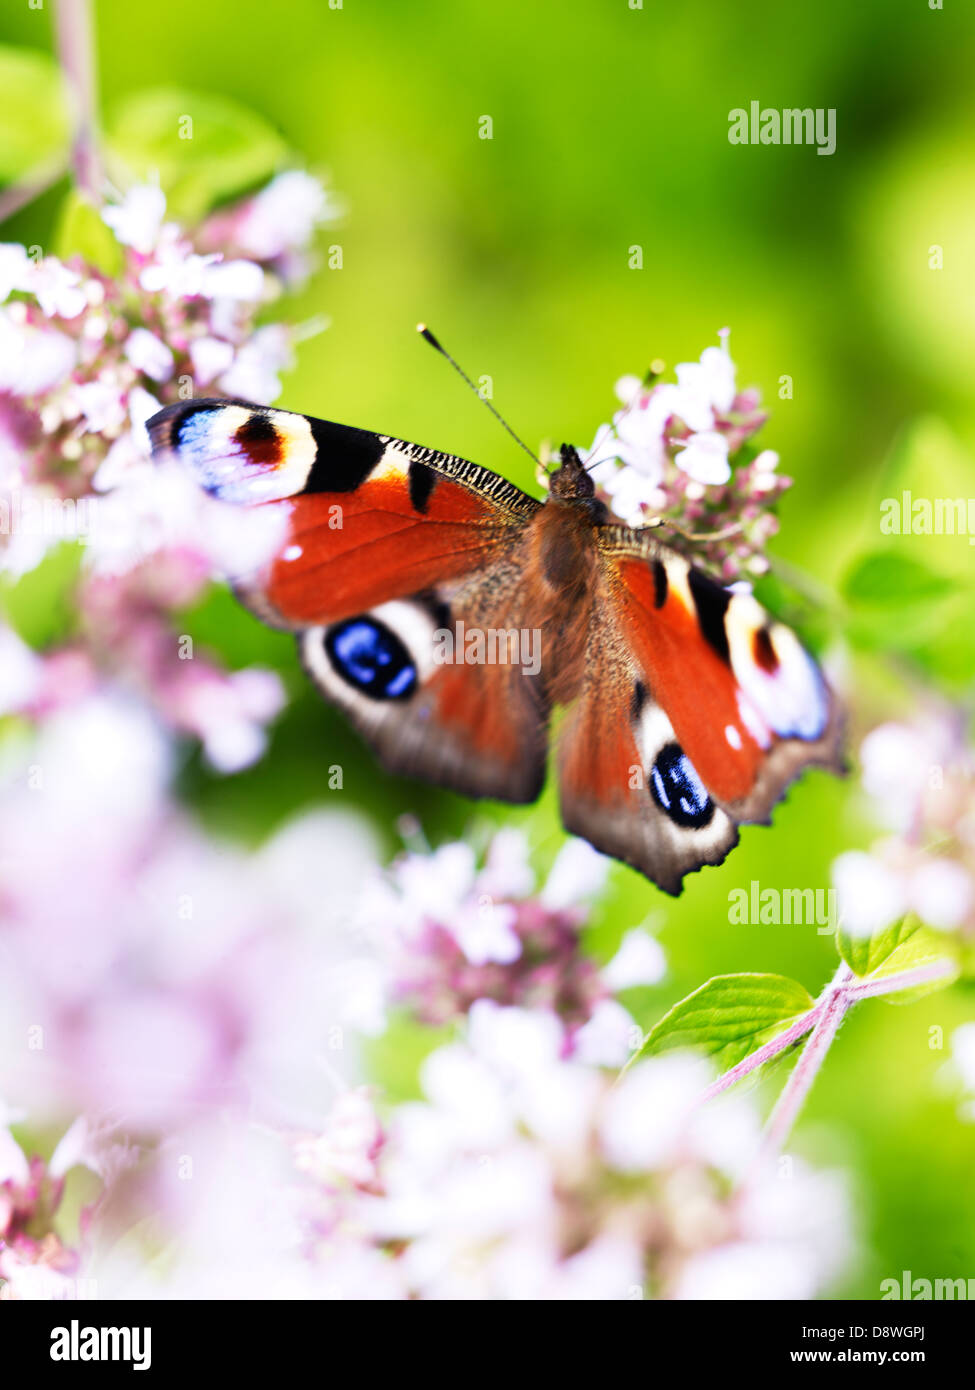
(625, 783)
(477, 727)
(702, 712)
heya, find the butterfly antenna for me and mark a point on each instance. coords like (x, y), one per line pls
(653, 374)
(435, 342)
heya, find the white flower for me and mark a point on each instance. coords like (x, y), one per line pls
(102, 404)
(283, 215)
(176, 271)
(242, 280)
(636, 437)
(963, 1054)
(608, 1037)
(897, 760)
(704, 457)
(507, 871)
(149, 508)
(630, 491)
(253, 374)
(644, 1115)
(941, 893)
(705, 387)
(229, 714)
(870, 896)
(514, 1041)
(640, 960)
(210, 356)
(20, 672)
(57, 289)
(16, 268)
(578, 874)
(149, 354)
(14, 1167)
(748, 1270)
(136, 221)
(130, 452)
(180, 272)
(33, 359)
(485, 931)
(434, 887)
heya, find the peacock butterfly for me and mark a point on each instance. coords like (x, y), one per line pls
(687, 710)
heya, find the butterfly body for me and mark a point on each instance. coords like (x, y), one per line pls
(417, 581)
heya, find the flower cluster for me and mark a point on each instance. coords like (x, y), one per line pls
(920, 780)
(454, 933)
(521, 1174)
(86, 358)
(679, 451)
(151, 970)
(526, 1175)
(34, 1260)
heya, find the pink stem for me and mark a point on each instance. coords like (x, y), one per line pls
(907, 979)
(76, 54)
(762, 1054)
(832, 1008)
(18, 195)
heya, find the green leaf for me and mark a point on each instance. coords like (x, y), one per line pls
(39, 605)
(906, 945)
(80, 231)
(35, 123)
(888, 579)
(895, 602)
(202, 148)
(730, 1016)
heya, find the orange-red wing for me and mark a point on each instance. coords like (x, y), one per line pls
(371, 518)
(746, 703)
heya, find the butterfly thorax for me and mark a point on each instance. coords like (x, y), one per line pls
(570, 482)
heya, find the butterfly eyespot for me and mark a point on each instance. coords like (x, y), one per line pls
(369, 656)
(678, 790)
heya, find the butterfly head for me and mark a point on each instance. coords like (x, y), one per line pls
(570, 482)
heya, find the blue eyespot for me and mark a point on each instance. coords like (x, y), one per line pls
(370, 657)
(678, 790)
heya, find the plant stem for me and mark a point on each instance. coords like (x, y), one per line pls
(19, 195)
(761, 1055)
(906, 979)
(832, 1007)
(76, 54)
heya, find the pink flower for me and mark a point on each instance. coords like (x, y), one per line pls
(674, 451)
(457, 932)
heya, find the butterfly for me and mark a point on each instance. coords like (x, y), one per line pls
(415, 582)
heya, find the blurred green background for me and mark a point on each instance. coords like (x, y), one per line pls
(610, 129)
